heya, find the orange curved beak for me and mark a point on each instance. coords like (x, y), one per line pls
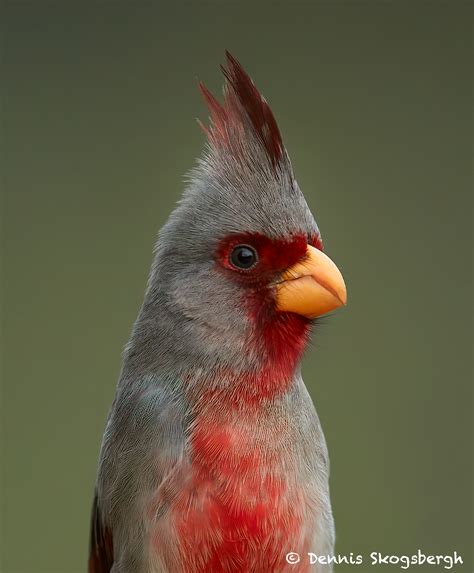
(312, 287)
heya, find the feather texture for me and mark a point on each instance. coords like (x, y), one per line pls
(243, 114)
(101, 544)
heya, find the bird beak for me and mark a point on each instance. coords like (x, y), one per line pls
(312, 287)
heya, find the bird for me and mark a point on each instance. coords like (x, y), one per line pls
(213, 458)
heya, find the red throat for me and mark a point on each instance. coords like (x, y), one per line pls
(285, 336)
(278, 338)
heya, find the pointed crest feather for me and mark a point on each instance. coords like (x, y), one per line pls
(243, 109)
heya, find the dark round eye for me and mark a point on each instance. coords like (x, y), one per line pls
(243, 257)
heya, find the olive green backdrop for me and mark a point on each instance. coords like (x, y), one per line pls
(373, 100)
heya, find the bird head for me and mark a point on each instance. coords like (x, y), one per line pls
(239, 272)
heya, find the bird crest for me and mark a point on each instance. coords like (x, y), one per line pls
(243, 116)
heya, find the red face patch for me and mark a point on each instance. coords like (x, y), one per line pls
(316, 242)
(283, 334)
(273, 256)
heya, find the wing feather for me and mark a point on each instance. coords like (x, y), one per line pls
(101, 553)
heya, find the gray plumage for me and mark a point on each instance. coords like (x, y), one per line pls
(191, 339)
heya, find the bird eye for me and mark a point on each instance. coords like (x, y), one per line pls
(243, 257)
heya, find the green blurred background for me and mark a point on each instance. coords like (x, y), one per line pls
(374, 103)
